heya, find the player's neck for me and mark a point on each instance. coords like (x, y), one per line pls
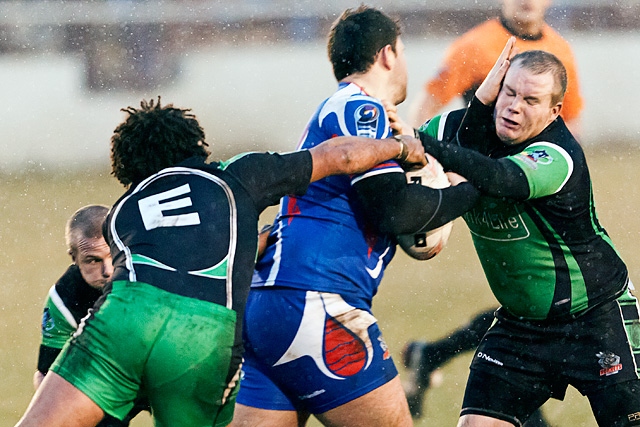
(523, 30)
(370, 84)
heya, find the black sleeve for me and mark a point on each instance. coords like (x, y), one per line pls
(395, 207)
(477, 129)
(493, 177)
(269, 176)
(46, 357)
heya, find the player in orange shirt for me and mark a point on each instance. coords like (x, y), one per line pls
(471, 56)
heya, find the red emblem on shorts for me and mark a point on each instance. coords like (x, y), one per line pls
(345, 354)
(334, 334)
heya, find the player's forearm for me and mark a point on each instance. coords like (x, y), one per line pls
(493, 177)
(394, 207)
(351, 154)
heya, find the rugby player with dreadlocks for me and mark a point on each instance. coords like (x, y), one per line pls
(183, 240)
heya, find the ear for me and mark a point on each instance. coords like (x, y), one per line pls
(73, 255)
(555, 111)
(387, 57)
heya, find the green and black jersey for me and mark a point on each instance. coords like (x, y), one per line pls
(68, 301)
(192, 229)
(535, 228)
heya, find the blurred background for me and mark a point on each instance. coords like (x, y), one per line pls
(253, 71)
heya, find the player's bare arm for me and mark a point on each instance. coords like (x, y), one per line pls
(353, 154)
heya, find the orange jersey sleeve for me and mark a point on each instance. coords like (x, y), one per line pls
(469, 58)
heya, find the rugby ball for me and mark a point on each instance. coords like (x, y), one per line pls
(424, 246)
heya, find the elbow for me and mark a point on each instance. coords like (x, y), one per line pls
(347, 161)
(343, 162)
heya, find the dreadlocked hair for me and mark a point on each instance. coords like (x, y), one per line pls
(152, 138)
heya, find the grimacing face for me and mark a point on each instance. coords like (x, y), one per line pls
(93, 258)
(523, 108)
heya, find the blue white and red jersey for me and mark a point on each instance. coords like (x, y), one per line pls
(321, 241)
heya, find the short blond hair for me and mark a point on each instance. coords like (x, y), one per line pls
(86, 222)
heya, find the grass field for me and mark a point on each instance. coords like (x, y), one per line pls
(416, 300)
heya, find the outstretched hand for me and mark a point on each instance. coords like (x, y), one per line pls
(488, 91)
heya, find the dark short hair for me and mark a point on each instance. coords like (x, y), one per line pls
(541, 62)
(153, 138)
(85, 223)
(356, 38)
